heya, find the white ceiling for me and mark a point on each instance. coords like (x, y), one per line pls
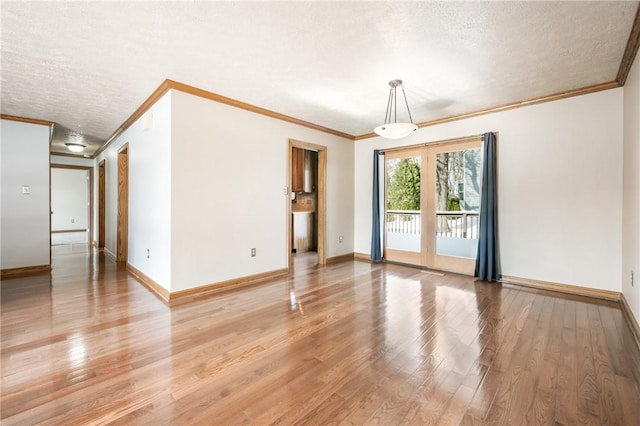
(89, 65)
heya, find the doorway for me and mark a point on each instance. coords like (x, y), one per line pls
(71, 205)
(306, 204)
(432, 205)
(122, 239)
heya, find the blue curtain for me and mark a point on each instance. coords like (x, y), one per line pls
(487, 260)
(376, 242)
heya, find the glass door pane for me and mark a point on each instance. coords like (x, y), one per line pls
(457, 203)
(403, 219)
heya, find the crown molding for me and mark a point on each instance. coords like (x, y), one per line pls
(630, 51)
(519, 104)
(152, 99)
(26, 120)
(243, 105)
(167, 85)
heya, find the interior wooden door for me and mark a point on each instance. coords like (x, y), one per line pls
(123, 205)
(101, 204)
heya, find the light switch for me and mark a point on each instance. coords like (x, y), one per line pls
(26, 190)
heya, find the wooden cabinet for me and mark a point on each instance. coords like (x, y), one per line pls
(304, 235)
(304, 165)
(297, 170)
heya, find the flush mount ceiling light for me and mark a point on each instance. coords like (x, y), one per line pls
(75, 147)
(393, 129)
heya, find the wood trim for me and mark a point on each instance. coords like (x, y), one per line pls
(443, 262)
(389, 253)
(111, 255)
(631, 319)
(428, 256)
(175, 85)
(513, 105)
(167, 85)
(89, 169)
(102, 178)
(122, 223)
(472, 138)
(404, 257)
(9, 273)
(167, 296)
(152, 99)
(156, 288)
(562, 288)
(26, 120)
(228, 284)
(65, 231)
(321, 219)
(630, 52)
(362, 257)
(340, 258)
(321, 192)
(50, 205)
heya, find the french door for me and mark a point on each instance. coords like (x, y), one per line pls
(432, 205)
(403, 218)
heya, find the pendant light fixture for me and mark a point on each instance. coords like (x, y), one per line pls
(391, 129)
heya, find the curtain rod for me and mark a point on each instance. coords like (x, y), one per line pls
(440, 142)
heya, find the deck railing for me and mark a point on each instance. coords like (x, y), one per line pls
(456, 224)
(460, 224)
(403, 221)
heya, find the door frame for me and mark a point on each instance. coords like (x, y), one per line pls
(89, 187)
(102, 208)
(122, 235)
(405, 256)
(462, 265)
(428, 257)
(321, 207)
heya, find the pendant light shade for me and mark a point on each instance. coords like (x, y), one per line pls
(392, 129)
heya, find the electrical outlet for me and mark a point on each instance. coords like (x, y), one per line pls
(253, 252)
(340, 239)
(631, 278)
(147, 253)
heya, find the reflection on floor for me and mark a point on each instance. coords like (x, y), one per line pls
(348, 343)
(302, 261)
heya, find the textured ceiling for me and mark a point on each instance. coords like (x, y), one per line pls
(89, 65)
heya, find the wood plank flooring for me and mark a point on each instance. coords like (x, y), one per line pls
(352, 343)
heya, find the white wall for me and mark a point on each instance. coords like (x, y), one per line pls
(229, 169)
(69, 199)
(631, 189)
(25, 239)
(559, 187)
(149, 193)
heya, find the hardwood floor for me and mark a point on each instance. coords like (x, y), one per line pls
(352, 343)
